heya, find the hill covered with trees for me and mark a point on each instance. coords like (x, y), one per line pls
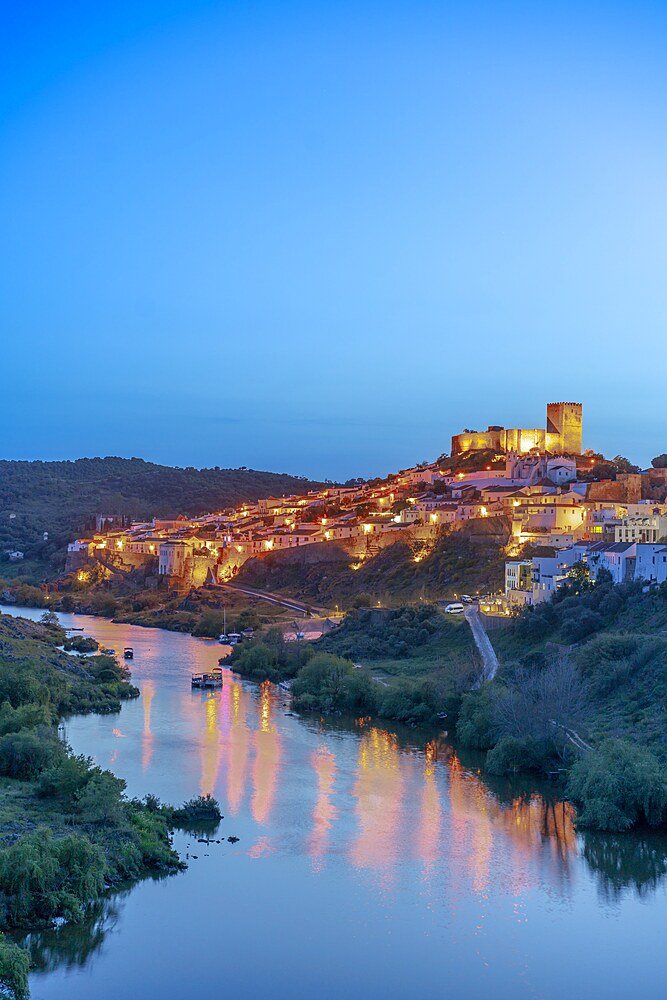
(61, 497)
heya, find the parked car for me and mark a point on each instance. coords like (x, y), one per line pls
(466, 599)
(455, 609)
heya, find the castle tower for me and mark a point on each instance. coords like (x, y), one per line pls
(564, 422)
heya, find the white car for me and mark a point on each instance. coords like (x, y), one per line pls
(454, 609)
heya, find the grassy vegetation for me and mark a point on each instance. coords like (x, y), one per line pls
(67, 831)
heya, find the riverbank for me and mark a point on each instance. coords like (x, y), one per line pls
(579, 695)
(68, 833)
(201, 613)
(379, 832)
(581, 691)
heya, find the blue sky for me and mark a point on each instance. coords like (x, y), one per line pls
(323, 237)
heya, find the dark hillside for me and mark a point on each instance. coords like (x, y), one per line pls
(61, 497)
(471, 559)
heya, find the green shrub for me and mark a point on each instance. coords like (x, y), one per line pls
(512, 754)
(42, 878)
(101, 799)
(608, 661)
(81, 644)
(20, 686)
(23, 717)
(210, 625)
(618, 786)
(201, 809)
(151, 837)
(258, 662)
(14, 967)
(475, 721)
(64, 780)
(27, 753)
(411, 702)
(330, 684)
(581, 623)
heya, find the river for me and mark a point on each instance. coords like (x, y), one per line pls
(370, 863)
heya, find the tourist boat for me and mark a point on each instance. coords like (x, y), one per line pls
(209, 681)
(128, 653)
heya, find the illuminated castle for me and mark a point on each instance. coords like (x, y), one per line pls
(562, 435)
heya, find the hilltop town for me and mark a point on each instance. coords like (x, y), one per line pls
(552, 504)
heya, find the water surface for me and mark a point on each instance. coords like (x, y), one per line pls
(370, 863)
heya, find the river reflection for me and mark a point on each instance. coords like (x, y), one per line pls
(353, 838)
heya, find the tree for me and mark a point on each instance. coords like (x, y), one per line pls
(101, 799)
(624, 465)
(580, 575)
(42, 877)
(618, 786)
(660, 461)
(541, 705)
(210, 624)
(328, 683)
(26, 754)
(14, 967)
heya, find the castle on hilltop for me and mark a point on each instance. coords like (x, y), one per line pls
(562, 435)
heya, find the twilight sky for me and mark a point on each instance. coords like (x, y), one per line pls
(322, 237)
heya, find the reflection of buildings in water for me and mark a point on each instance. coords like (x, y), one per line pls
(239, 744)
(147, 735)
(471, 825)
(267, 758)
(532, 828)
(211, 744)
(324, 811)
(429, 844)
(378, 791)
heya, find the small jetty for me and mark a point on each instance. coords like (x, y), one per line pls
(128, 653)
(211, 680)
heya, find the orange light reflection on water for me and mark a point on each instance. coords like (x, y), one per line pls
(266, 764)
(147, 736)
(480, 822)
(430, 814)
(324, 811)
(239, 746)
(378, 791)
(211, 747)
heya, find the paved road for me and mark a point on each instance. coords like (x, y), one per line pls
(482, 641)
(264, 595)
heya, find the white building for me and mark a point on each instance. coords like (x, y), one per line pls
(519, 581)
(648, 527)
(551, 572)
(651, 563)
(618, 558)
